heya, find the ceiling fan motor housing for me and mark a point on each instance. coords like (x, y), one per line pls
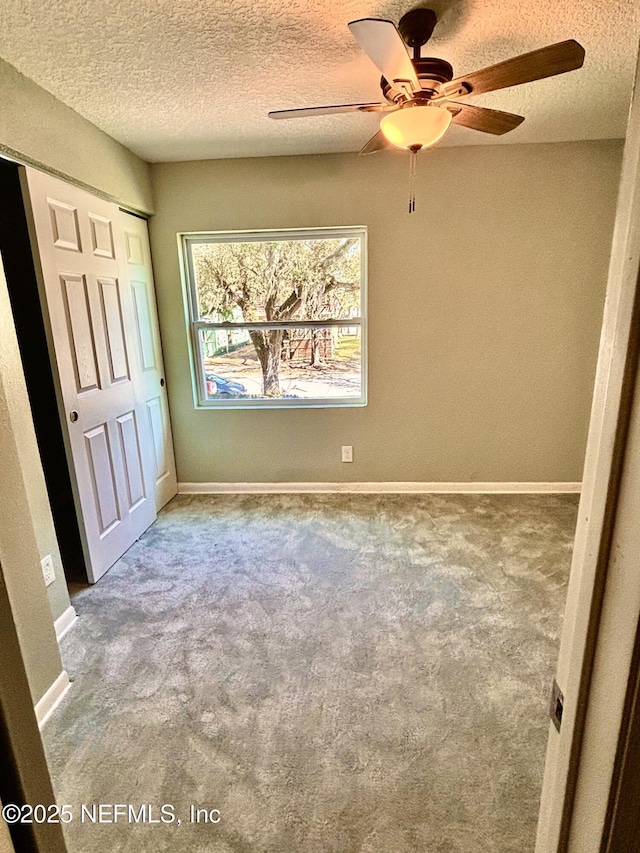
(434, 70)
(432, 73)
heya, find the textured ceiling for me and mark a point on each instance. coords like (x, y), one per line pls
(191, 79)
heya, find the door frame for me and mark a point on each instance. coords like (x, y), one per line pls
(580, 769)
(622, 826)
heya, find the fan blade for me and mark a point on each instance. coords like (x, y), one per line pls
(383, 44)
(338, 108)
(486, 120)
(378, 142)
(546, 62)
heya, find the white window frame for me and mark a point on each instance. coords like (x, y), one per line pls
(194, 324)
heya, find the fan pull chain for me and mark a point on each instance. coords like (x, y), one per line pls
(413, 154)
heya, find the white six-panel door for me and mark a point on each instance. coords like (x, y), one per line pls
(96, 329)
(150, 379)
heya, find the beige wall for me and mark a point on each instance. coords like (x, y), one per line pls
(38, 129)
(24, 514)
(484, 311)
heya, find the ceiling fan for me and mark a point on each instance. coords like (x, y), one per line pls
(421, 96)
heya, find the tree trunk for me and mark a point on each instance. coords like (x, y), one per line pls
(316, 356)
(268, 346)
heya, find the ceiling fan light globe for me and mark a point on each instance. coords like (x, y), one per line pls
(416, 126)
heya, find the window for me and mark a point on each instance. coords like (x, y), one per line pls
(277, 318)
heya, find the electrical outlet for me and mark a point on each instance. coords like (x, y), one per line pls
(347, 453)
(48, 570)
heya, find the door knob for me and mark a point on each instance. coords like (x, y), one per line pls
(73, 416)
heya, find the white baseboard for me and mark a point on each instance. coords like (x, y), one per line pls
(65, 622)
(52, 698)
(376, 488)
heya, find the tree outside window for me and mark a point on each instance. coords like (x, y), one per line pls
(277, 317)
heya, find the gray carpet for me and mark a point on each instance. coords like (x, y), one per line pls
(335, 674)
